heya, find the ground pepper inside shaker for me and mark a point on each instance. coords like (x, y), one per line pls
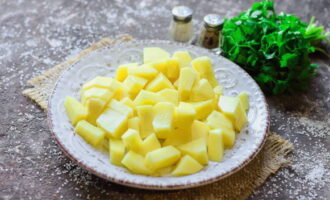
(211, 31)
(181, 28)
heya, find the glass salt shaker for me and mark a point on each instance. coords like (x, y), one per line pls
(181, 27)
(211, 31)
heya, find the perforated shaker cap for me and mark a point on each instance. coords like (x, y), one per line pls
(213, 20)
(182, 13)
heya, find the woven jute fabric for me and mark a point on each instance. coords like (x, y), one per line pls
(240, 185)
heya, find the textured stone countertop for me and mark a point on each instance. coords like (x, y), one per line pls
(35, 35)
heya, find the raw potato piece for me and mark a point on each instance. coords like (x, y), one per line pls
(244, 98)
(102, 82)
(178, 136)
(117, 151)
(202, 91)
(232, 107)
(135, 163)
(169, 95)
(150, 143)
(101, 93)
(145, 114)
(183, 57)
(204, 108)
(143, 71)
(159, 83)
(113, 122)
(134, 84)
(132, 140)
(92, 134)
(173, 69)
(184, 115)
(154, 54)
(134, 123)
(204, 67)
(215, 146)
(199, 130)
(186, 81)
(94, 107)
(75, 110)
(122, 71)
(147, 98)
(162, 157)
(121, 108)
(196, 149)
(187, 165)
(163, 119)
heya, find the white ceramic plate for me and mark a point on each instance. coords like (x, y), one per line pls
(104, 62)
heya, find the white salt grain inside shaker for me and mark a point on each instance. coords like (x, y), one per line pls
(181, 28)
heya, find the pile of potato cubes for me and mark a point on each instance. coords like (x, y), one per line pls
(167, 115)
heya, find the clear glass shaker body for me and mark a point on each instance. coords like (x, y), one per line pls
(181, 31)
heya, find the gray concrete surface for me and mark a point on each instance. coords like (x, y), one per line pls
(35, 35)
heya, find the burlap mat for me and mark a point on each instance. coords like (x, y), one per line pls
(237, 186)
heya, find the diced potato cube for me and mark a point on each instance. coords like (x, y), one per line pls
(218, 120)
(121, 93)
(215, 145)
(135, 163)
(154, 54)
(204, 67)
(172, 69)
(143, 71)
(159, 83)
(186, 81)
(183, 57)
(132, 140)
(92, 134)
(196, 149)
(150, 143)
(202, 91)
(145, 114)
(178, 136)
(102, 82)
(117, 151)
(170, 95)
(232, 107)
(160, 66)
(162, 157)
(101, 93)
(187, 165)
(75, 110)
(244, 98)
(95, 107)
(128, 102)
(204, 108)
(184, 115)
(134, 123)
(163, 119)
(113, 122)
(147, 98)
(199, 130)
(121, 108)
(122, 71)
(134, 84)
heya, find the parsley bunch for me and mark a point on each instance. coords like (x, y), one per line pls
(272, 48)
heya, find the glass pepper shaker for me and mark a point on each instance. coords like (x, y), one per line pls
(181, 28)
(211, 31)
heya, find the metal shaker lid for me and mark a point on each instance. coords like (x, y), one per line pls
(182, 13)
(213, 20)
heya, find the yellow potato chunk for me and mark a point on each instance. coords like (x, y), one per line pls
(172, 69)
(160, 66)
(113, 122)
(121, 93)
(162, 157)
(186, 81)
(178, 136)
(202, 91)
(232, 107)
(122, 73)
(215, 145)
(163, 119)
(92, 134)
(159, 83)
(147, 98)
(134, 84)
(204, 108)
(134, 123)
(187, 165)
(75, 110)
(135, 163)
(196, 149)
(217, 120)
(183, 57)
(244, 98)
(102, 82)
(184, 115)
(199, 130)
(94, 107)
(169, 95)
(143, 71)
(204, 67)
(132, 140)
(150, 143)
(146, 115)
(154, 54)
(116, 151)
(121, 108)
(101, 93)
